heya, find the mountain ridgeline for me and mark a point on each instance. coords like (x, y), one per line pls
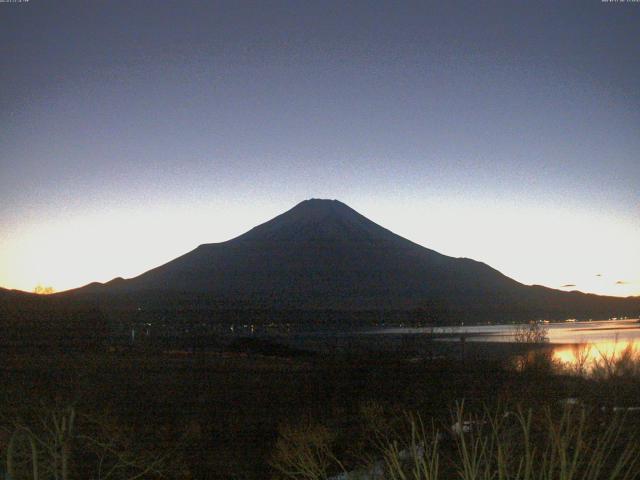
(323, 258)
(321, 255)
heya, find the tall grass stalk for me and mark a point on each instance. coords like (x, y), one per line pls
(569, 444)
(419, 460)
(560, 447)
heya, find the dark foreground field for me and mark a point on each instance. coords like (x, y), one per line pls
(218, 415)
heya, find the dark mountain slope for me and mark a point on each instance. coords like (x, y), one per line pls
(322, 255)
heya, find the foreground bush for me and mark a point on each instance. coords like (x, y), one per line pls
(54, 441)
(571, 444)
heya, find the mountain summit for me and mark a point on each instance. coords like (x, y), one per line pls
(319, 220)
(323, 255)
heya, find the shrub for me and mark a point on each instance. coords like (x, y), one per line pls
(304, 451)
(532, 332)
(521, 445)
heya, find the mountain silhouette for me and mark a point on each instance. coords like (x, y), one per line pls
(320, 254)
(323, 255)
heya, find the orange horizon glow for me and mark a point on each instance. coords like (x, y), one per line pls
(69, 252)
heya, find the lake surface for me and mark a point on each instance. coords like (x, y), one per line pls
(570, 341)
(561, 332)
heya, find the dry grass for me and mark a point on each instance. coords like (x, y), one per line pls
(504, 445)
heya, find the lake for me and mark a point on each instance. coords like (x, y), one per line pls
(570, 342)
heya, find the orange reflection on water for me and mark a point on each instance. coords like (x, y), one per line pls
(588, 355)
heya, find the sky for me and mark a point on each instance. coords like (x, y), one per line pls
(507, 132)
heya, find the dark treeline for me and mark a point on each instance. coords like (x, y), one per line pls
(199, 321)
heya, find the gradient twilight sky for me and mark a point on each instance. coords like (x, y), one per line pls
(133, 131)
